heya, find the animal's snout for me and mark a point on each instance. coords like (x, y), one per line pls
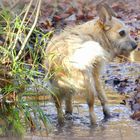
(134, 45)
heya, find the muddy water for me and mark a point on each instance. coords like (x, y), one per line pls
(121, 127)
(118, 128)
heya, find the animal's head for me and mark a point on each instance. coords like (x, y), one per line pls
(116, 31)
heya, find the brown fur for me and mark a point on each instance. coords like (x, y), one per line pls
(76, 57)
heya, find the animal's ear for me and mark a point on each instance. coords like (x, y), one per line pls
(105, 13)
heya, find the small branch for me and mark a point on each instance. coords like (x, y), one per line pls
(17, 36)
(31, 30)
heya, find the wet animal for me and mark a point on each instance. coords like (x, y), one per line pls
(76, 57)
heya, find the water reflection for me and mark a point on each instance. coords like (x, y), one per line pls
(79, 126)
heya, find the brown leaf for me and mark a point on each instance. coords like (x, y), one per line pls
(70, 10)
(80, 15)
(57, 18)
(90, 15)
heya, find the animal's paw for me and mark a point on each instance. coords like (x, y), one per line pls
(68, 116)
(109, 116)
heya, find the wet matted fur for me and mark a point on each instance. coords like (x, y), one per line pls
(76, 57)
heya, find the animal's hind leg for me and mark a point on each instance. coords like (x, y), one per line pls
(68, 104)
(58, 103)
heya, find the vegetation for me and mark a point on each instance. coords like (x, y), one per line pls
(21, 51)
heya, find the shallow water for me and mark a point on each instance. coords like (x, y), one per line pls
(118, 128)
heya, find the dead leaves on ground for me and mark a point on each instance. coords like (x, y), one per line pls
(56, 14)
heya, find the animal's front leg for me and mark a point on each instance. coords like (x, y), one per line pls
(90, 102)
(68, 104)
(101, 95)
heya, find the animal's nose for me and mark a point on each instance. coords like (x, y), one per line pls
(134, 45)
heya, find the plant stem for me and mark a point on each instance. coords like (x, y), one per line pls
(19, 30)
(31, 30)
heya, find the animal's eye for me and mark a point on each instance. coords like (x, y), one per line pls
(122, 33)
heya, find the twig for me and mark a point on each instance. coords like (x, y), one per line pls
(31, 15)
(17, 36)
(31, 30)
